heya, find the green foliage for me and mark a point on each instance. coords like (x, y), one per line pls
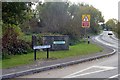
(10, 42)
(13, 15)
(11, 28)
(27, 38)
(64, 18)
(54, 17)
(81, 49)
(118, 29)
(114, 25)
(111, 24)
(0, 28)
(15, 12)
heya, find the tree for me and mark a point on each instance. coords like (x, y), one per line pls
(66, 18)
(96, 17)
(114, 25)
(53, 16)
(15, 12)
(118, 29)
(111, 24)
(80, 9)
(13, 15)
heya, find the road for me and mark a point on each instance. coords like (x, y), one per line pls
(100, 68)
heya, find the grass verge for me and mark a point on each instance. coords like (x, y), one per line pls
(76, 50)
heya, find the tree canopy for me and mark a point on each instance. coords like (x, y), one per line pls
(13, 15)
(65, 18)
(15, 12)
(111, 24)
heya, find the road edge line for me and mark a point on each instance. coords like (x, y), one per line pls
(36, 70)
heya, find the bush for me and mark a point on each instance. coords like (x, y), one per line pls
(20, 47)
(10, 42)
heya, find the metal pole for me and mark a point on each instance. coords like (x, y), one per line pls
(47, 53)
(85, 34)
(35, 54)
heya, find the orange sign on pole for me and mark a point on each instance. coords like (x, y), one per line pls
(86, 21)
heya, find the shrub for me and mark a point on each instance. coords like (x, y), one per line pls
(10, 42)
(19, 47)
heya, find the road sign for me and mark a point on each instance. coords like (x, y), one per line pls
(41, 47)
(86, 21)
(59, 42)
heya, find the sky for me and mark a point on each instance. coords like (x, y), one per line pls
(109, 8)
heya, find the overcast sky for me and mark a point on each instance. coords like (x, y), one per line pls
(109, 8)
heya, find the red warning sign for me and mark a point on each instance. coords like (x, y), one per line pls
(85, 21)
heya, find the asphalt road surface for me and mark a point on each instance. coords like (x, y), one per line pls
(100, 68)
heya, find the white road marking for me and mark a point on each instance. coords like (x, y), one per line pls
(85, 74)
(97, 38)
(104, 68)
(114, 76)
(78, 72)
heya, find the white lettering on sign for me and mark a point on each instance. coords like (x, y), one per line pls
(59, 42)
(41, 47)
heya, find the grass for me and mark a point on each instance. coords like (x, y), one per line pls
(26, 38)
(76, 50)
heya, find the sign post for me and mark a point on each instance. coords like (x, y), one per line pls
(35, 48)
(41, 47)
(34, 54)
(86, 23)
(47, 53)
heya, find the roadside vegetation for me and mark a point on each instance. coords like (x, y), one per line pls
(114, 25)
(20, 22)
(76, 50)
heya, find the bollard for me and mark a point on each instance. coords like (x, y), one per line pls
(88, 39)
